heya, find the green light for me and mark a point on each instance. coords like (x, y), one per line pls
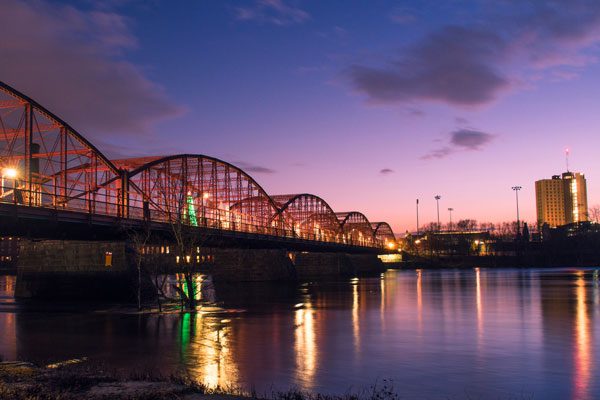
(192, 211)
(185, 330)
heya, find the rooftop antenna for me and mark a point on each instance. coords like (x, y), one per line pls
(567, 158)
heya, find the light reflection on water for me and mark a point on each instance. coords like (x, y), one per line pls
(305, 345)
(583, 362)
(477, 333)
(205, 349)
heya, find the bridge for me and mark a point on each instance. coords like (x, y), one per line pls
(55, 184)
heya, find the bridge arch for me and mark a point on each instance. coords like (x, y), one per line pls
(308, 216)
(207, 191)
(383, 233)
(44, 162)
(356, 228)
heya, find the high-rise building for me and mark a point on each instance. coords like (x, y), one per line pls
(562, 199)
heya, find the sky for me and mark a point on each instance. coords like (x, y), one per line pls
(368, 104)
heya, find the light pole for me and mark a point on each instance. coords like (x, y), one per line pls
(516, 189)
(437, 200)
(9, 173)
(205, 197)
(450, 211)
(417, 216)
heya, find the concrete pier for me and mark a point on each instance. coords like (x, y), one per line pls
(236, 265)
(322, 265)
(252, 265)
(70, 270)
(105, 271)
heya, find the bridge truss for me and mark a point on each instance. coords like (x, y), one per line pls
(46, 163)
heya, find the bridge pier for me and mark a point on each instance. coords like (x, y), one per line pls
(245, 265)
(321, 265)
(252, 265)
(366, 263)
(105, 270)
(70, 270)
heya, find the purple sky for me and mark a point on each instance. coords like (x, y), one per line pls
(369, 105)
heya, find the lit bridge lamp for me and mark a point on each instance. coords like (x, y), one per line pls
(9, 173)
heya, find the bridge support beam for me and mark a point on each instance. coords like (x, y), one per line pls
(104, 270)
(316, 265)
(70, 270)
(366, 263)
(252, 265)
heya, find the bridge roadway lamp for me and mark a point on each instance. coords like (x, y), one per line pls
(205, 196)
(9, 173)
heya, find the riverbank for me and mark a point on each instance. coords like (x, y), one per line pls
(74, 379)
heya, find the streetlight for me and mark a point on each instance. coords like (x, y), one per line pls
(437, 200)
(450, 211)
(9, 173)
(516, 189)
(205, 196)
(417, 216)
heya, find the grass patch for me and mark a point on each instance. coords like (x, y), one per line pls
(70, 380)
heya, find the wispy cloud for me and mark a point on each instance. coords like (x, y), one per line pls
(71, 61)
(438, 153)
(253, 168)
(472, 65)
(402, 16)
(276, 12)
(461, 120)
(470, 139)
(386, 171)
(462, 139)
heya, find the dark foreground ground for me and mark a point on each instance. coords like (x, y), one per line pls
(74, 379)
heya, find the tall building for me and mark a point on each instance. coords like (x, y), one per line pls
(562, 199)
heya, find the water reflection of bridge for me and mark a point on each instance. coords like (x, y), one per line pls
(53, 177)
(537, 329)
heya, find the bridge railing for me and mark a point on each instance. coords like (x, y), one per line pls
(111, 205)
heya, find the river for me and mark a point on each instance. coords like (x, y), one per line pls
(449, 334)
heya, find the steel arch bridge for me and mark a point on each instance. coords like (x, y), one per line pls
(49, 167)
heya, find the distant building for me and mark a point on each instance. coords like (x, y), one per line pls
(561, 200)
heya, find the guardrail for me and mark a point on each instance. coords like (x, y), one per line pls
(106, 204)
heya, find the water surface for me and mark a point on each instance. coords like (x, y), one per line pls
(450, 334)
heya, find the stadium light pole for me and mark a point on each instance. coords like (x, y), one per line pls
(516, 189)
(417, 216)
(450, 209)
(437, 200)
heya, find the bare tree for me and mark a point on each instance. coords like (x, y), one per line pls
(487, 226)
(466, 225)
(430, 227)
(139, 239)
(594, 213)
(178, 209)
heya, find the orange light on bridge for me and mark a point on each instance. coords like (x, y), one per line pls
(10, 173)
(205, 196)
(108, 259)
(391, 245)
